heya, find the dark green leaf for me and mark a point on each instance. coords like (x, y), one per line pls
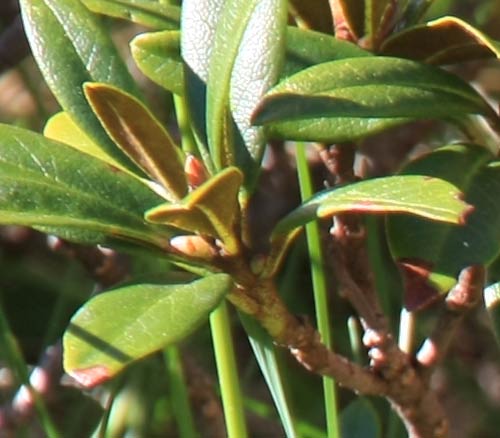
(71, 48)
(157, 54)
(153, 14)
(431, 198)
(351, 98)
(305, 48)
(447, 40)
(123, 325)
(312, 14)
(49, 185)
(438, 252)
(137, 132)
(360, 420)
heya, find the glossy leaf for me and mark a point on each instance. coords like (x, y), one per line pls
(137, 132)
(157, 54)
(46, 184)
(348, 99)
(431, 198)
(153, 14)
(433, 254)
(492, 302)
(257, 67)
(305, 48)
(71, 48)
(118, 327)
(447, 40)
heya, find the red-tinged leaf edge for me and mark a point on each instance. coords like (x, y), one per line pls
(447, 40)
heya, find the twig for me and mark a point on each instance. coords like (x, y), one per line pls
(462, 298)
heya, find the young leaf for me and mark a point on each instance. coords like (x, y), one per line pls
(190, 219)
(136, 131)
(118, 327)
(218, 200)
(71, 48)
(46, 184)
(431, 198)
(342, 100)
(447, 40)
(434, 254)
(153, 14)
(157, 54)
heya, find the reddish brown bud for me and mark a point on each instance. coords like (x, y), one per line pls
(195, 170)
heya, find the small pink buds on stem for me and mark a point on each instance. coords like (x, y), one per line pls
(193, 246)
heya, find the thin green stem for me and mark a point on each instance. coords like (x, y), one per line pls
(228, 376)
(187, 141)
(318, 275)
(179, 394)
(15, 359)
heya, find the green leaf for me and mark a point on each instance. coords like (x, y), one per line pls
(447, 40)
(71, 48)
(305, 48)
(157, 54)
(153, 14)
(492, 302)
(438, 252)
(118, 327)
(265, 353)
(360, 419)
(60, 127)
(46, 184)
(209, 209)
(257, 67)
(137, 132)
(431, 198)
(348, 99)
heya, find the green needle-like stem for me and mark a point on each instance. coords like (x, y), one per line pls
(228, 375)
(318, 275)
(179, 394)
